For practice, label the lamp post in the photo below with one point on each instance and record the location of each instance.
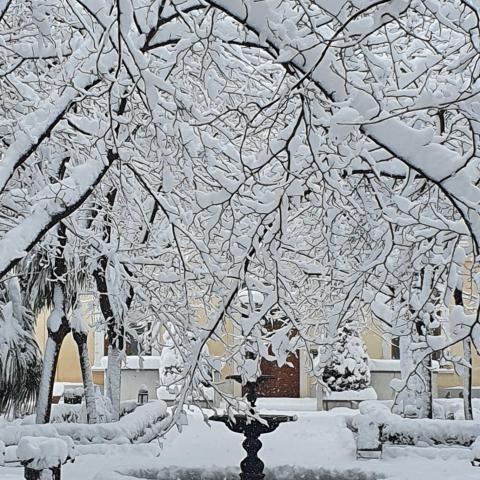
(142, 395)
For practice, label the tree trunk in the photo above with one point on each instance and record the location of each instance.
(89, 390)
(114, 379)
(116, 344)
(52, 351)
(416, 399)
(419, 386)
(425, 388)
(115, 330)
(405, 400)
(57, 324)
(467, 380)
(466, 370)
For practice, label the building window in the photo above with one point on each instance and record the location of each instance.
(437, 355)
(395, 348)
(132, 347)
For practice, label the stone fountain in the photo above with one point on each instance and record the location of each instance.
(251, 466)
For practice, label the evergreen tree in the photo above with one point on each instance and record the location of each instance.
(348, 367)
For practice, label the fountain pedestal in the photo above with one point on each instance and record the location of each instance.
(251, 466)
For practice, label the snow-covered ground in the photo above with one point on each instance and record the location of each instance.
(316, 439)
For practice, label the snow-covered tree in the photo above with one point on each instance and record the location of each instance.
(262, 144)
(347, 367)
(20, 359)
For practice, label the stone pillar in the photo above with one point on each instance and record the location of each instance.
(319, 391)
(52, 473)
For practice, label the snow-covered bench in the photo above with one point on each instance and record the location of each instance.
(348, 398)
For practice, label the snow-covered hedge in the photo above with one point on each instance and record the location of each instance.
(77, 413)
(405, 431)
(67, 412)
(142, 425)
(443, 408)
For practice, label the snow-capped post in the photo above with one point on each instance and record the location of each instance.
(43, 457)
(369, 443)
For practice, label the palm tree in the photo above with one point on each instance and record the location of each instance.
(20, 359)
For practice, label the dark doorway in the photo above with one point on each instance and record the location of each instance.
(287, 379)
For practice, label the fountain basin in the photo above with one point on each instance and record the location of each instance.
(286, 472)
(242, 424)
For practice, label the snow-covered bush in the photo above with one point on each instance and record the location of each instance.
(67, 413)
(348, 365)
(77, 413)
